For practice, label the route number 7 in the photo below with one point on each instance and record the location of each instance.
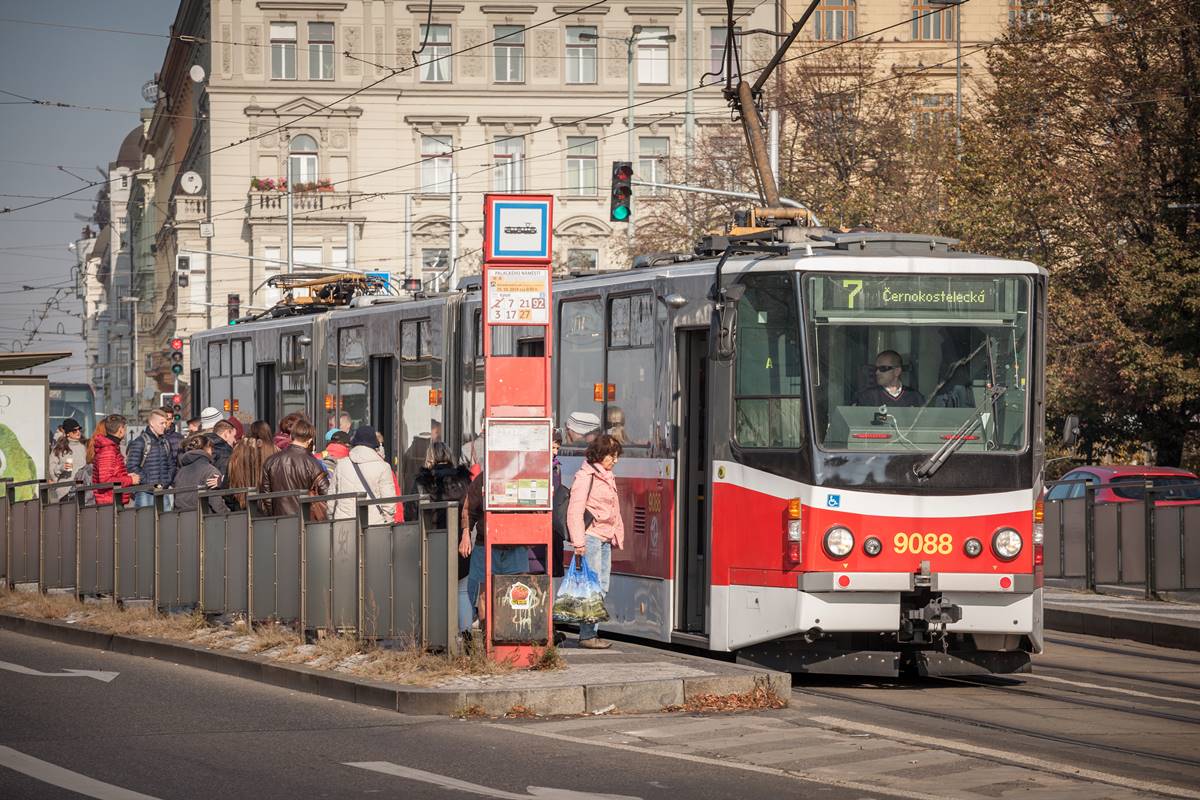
(855, 287)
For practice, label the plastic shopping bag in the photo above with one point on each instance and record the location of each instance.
(579, 598)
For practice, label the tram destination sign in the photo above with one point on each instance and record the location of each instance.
(518, 229)
(870, 294)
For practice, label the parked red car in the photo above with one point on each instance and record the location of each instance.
(1181, 487)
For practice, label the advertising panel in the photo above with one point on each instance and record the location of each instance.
(24, 438)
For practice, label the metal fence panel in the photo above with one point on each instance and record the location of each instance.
(59, 522)
(1107, 545)
(25, 526)
(331, 574)
(4, 539)
(1168, 548)
(1074, 546)
(1133, 541)
(276, 568)
(392, 594)
(97, 528)
(178, 559)
(436, 588)
(226, 563)
(135, 553)
(1053, 540)
(1191, 547)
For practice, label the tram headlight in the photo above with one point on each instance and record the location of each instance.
(973, 547)
(839, 542)
(1006, 544)
(872, 546)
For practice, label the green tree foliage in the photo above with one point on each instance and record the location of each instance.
(1084, 156)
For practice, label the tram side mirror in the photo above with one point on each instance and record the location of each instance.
(1070, 431)
(726, 322)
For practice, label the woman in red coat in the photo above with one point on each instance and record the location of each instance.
(108, 465)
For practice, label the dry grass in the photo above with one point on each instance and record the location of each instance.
(409, 664)
(762, 696)
(548, 659)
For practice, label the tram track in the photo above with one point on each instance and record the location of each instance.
(1101, 648)
(942, 716)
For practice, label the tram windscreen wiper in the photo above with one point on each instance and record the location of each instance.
(932, 464)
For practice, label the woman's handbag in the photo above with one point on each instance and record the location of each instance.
(317, 512)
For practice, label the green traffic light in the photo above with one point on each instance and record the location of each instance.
(620, 213)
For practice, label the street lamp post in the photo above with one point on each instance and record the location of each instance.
(958, 4)
(133, 361)
(630, 41)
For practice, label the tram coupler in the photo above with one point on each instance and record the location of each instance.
(936, 612)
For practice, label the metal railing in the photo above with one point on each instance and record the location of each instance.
(392, 580)
(1150, 542)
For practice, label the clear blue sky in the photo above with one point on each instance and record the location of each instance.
(92, 68)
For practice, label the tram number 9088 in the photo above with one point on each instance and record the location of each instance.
(923, 544)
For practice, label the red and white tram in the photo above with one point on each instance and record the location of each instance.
(771, 508)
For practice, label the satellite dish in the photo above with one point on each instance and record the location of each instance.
(196, 73)
(150, 91)
(191, 182)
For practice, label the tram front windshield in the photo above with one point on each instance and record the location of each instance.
(911, 362)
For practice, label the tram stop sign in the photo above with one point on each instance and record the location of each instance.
(518, 247)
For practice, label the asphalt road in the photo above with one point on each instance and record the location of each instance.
(1097, 719)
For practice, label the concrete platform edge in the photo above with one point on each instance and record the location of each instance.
(628, 697)
(1136, 628)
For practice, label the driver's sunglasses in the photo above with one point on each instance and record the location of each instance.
(885, 368)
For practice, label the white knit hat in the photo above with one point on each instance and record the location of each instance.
(209, 417)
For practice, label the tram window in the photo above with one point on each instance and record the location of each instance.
(242, 379)
(518, 340)
(580, 364)
(218, 371)
(420, 399)
(768, 402)
(629, 412)
(292, 375)
(352, 378)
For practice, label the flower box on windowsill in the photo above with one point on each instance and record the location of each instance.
(281, 185)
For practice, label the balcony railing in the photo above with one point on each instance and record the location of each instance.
(312, 205)
(190, 208)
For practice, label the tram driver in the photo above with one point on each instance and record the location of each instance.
(888, 389)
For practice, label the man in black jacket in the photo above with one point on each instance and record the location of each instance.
(223, 437)
(888, 390)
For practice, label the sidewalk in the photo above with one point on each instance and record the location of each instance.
(627, 677)
(1124, 616)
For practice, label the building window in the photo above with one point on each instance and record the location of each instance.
(833, 20)
(935, 27)
(933, 112)
(283, 51)
(653, 57)
(435, 265)
(436, 164)
(435, 58)
(1027, 12)
(509, 54)
(581, 165)
(302, 160)
(716, 48)
(581, 54)
(509, 156)
(652, 161)
(320, 51)
(581, 259)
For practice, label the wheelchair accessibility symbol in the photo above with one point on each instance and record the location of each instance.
(833, 501)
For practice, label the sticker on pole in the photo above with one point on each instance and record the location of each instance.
(518, 228)
(518, 296)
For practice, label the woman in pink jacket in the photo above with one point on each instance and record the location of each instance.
(594, 519)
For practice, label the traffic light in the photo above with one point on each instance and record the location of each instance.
(183, 266)
(234, 304)
(177, 406)
(176, 356)
(622, 192)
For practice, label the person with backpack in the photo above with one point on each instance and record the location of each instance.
(363, 471)
(68, 455)
(105, 459)
(154, 457)
(196, 472)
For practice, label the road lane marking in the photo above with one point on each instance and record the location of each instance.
(797, 775)
(100, 675)
(1066, 770)
(446, 782)
(1131, 692)
(63, 778)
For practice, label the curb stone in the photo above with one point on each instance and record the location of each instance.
(628, 697)
(1136, 628)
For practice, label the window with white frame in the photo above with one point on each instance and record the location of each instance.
(833, 21)
(581, 54)
(509, 54)
(509, 158)
(1027, 12)
(283, 51)
(652, 161)
(435, 265)
(320, 51)
(582, 259)
(653, 57)
(435, 58)
(581, 165)
(716, 48)
(302, 161)
(436, 163)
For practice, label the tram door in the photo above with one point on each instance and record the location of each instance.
(692, 548)
(264, 392)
